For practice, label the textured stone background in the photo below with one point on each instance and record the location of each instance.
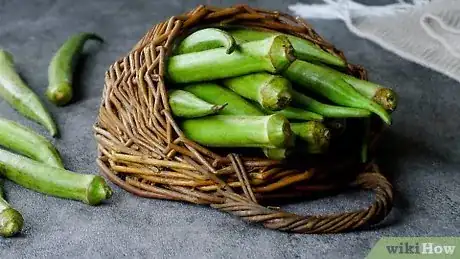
(421, 150)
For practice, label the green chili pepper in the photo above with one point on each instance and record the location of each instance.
(20, 96)
(205, 39)
(62, 66)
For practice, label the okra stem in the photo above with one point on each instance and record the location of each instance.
(321, 81)
(58, 182)
(272, 92)
(205, 39)
(303, 49)
(218, 95)
(20, 96)
(11, 221)
(187, 105)
(330, 111)
(271, 131)
(272, 55)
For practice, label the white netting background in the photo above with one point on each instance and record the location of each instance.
(423, 31)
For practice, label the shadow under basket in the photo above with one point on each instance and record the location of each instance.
(142, 150)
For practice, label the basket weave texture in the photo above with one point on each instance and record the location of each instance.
(142, 150)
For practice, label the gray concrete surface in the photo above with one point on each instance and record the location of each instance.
(421, 151)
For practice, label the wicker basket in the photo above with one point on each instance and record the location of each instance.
(142, 150)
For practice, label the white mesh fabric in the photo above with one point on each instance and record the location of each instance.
(425, 32)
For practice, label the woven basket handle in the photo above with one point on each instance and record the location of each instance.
(284, 221)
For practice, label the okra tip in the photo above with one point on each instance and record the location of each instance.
(60, 94)
(6, 55)
(387, 98)
(98, 191)
(217, 108)
(11, 222)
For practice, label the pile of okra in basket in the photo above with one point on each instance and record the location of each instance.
(267, 91)
(238, 88)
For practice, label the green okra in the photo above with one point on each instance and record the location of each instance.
(321, 81)
(54, 181)
(293, 113)
(187, 105)
(303, 49)
(218, 95)
(23, 140)
(316, 136)
(62, 66)
(11, 221)
(326, 110)
(271, 131)
(386, 97)
(272, 55)
(20, 96)
(272, 92)
(205, 39)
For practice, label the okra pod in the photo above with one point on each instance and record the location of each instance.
(272, 55)
(321, 81)
(62, 65)
(187, 105)
(218, 95)
(11, 221)
(272, 92)
(386, 97)
(20, 96)
(271, 131)
(315, 134)
(205, 39)
(58, 182)
(292, 113)
(303, 49)
(329, 111)
(23, 140)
